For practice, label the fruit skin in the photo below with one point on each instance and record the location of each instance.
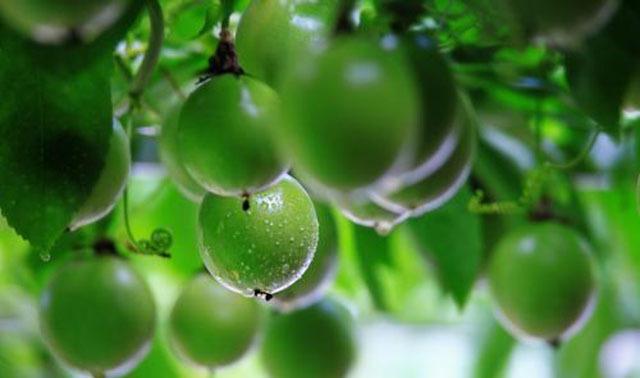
(438, 99)
(98, 314)
(272, 33)
(564, 22)
(210, 326)
(168, 145)
(267, 247)
(542, 280)
(349, 113)
(438, 187)
(225, 136)
(34, 16)
(315, 281)
(316, 342)
(111, 182)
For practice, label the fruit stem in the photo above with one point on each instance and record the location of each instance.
(344, 24)
(152, 55)
(225, 59)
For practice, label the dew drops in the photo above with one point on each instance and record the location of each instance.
(44, 256)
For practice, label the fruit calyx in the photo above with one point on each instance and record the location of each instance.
(225, 59)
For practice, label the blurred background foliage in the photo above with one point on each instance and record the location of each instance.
(419, 297)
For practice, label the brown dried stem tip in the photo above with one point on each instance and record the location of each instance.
(225, 59)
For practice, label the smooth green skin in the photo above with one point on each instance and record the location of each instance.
(436, 189)
(349, 113)
(211, 326)
(542, 280)
(437, 93)
(315, 281)
(111, 182)
(271, 33)
(316, 342)
(561, 20)
(28, 15)
(225, 136)
(168, 146)
(97, 314)
(265, 248)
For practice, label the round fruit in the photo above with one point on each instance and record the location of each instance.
(314, 282)
(98, 314)
(316, 342)
(369, 214)
(272, 32)
(48, 19)
(564, 22)
(542, 280)
(262, 244)
(349, 113)
(435, 189)
(437, 131)
(111, 181)
(211, 326)
(225, 139)
(168, 145)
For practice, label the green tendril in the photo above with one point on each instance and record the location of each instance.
(161, 239)
(581, 156)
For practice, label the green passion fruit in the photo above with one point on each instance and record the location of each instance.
(271, 33)
(542, 280)
(111, 181)
(98, 314)
(350, 113)
(365, 212)
(314, 282)
(225, 138)
(262, 244)
(564, 22)
(434, 190)
(210, 326)
(168, 146)
(54, 20)
(437, 93)
(315, 342)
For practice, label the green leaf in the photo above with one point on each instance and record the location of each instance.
(55, 121)
(374, 255)
(451, 237)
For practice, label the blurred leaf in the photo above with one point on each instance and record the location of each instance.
(451, 237)
(57, 145)
(374, 255)
(494, 352)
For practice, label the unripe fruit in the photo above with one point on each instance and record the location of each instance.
(349, 113)
(316, 342)
(259, 245)
(98, 314)
(211, 326)
(435, 189)
(47, 20)
(111, 181)
(272, 33)
(168, 145)
(314, 282)
(437, 93)
(225, 136)
(369, 214)
(542, 280)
